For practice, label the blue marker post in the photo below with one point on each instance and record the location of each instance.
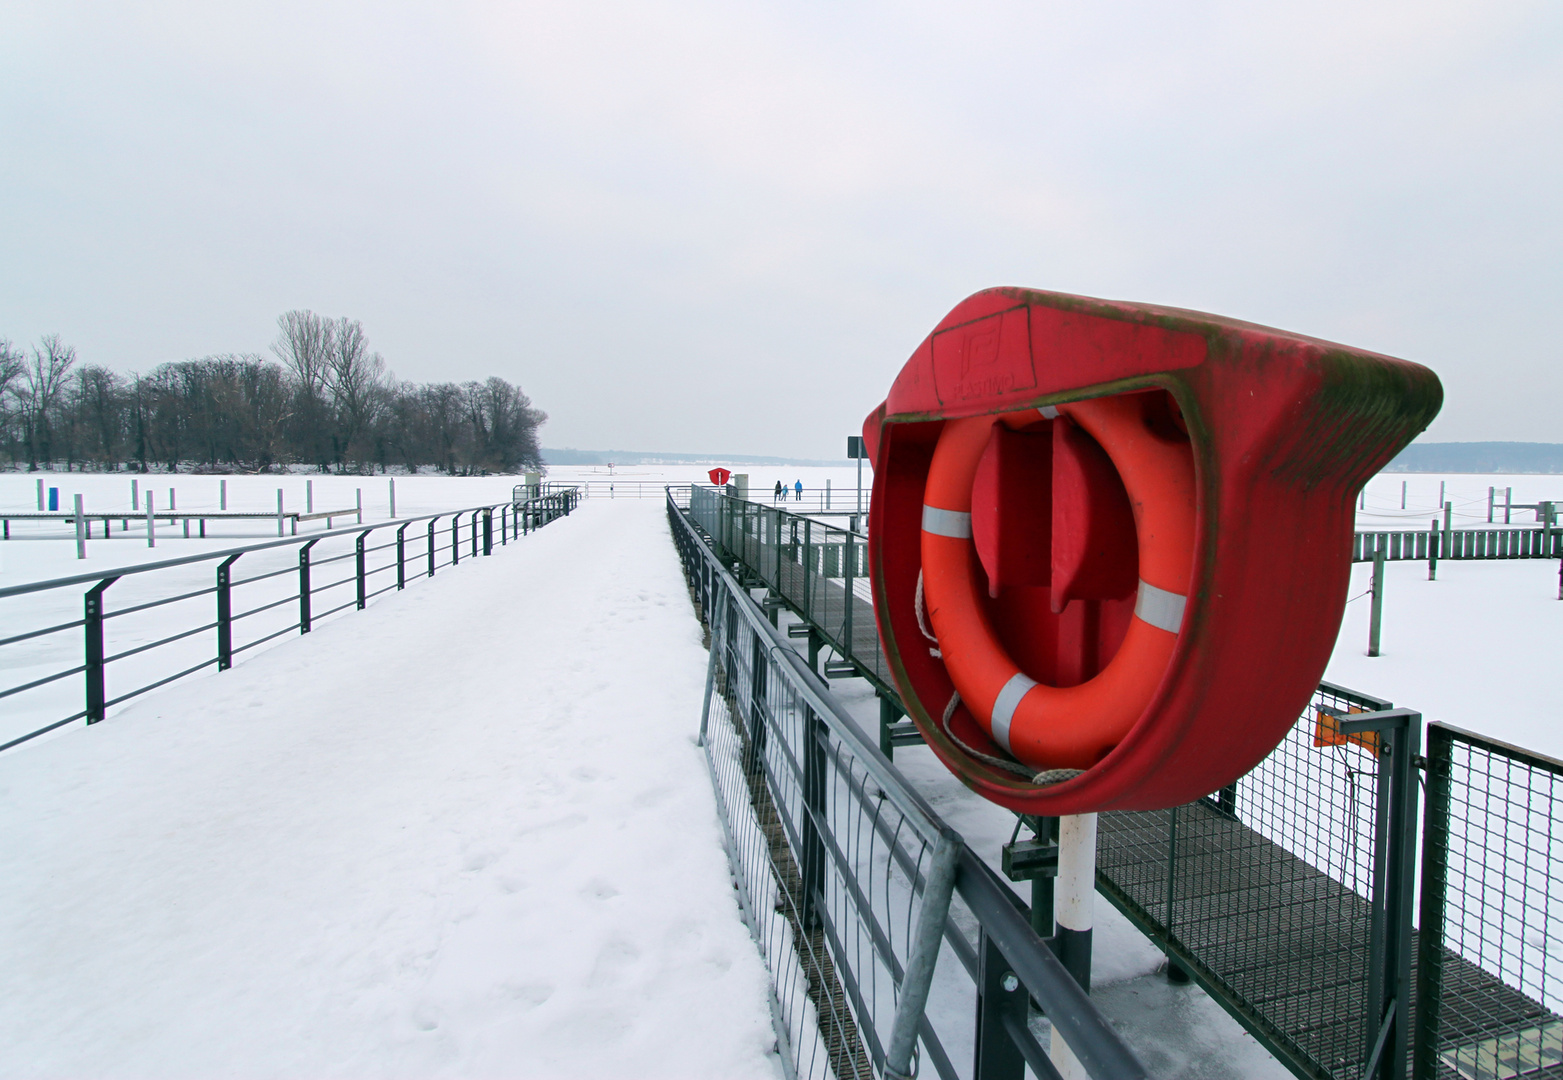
(54, 498)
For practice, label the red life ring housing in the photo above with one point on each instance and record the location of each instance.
(1018, 409)
(1072, 727)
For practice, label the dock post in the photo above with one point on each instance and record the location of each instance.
(279, 512)
(81, 535)
(309, 496)
(393, 497)
(151, 523)
(222, 494)
(1376, 618)
(40, 495)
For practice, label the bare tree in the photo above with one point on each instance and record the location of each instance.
(304, 345)
(12, 363)
(356, 379)
(45, 378)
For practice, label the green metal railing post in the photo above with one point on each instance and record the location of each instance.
(1000, 997)
(1387, 1033)
(225, 612)
(303, 585)
(432, 520)
(401, 557)
(363, 578)
(1375, 620)
(1430, 920)
(1432, 553)
(455, 538)
(92, 614)
(846, 623)
(488, 531)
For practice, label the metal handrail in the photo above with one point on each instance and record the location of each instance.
(1099, 1048)
(514, 518)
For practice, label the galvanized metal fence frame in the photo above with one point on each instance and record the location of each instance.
(849, 881)
(514, 520)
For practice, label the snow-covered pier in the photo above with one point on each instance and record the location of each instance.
(484, 846)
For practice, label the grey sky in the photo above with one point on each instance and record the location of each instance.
(724, 226)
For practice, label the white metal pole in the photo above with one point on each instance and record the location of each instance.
(223, 494)
(173, 501)
(40, 494)
(81, 531)
(393, 497)
(827, 493)
(135, 495)
(1074, 896)
(151, 523)
(309, 496)
(360, 492)
(279, 511)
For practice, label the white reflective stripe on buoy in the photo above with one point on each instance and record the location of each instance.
(1160, 608)
(1049, 412)
(1004, 707)
(951, 523)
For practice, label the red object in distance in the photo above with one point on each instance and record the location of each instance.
(719, 477)
(1283, 429)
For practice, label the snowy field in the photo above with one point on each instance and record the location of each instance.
(487, 848)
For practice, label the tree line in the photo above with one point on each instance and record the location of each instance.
(326, 400)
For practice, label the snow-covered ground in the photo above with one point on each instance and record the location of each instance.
(491, 842)
(487, 847)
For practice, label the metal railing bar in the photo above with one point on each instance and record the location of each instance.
(43, 681)
(1029, 1048)
(46, 630)
(377, 592)
(318, 589)
(42, 731)
(236, 582)
(1519, 753)
(258, 641)
(332, 558)
(161, 682)
(379, 570)
(117, 612)
(155, 644)
(265, 607)
(351, 603)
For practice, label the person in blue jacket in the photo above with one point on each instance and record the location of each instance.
(798, 487)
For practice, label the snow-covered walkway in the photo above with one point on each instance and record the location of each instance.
(464, 833)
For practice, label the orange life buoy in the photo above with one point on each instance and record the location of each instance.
(1046, 726)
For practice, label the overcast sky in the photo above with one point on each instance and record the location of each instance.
(723, 226)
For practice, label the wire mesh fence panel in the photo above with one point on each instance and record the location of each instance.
(1264, 887)
(831, 871)
(1491, 969)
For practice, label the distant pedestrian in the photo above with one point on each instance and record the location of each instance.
(778, 495)
(798, 487)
